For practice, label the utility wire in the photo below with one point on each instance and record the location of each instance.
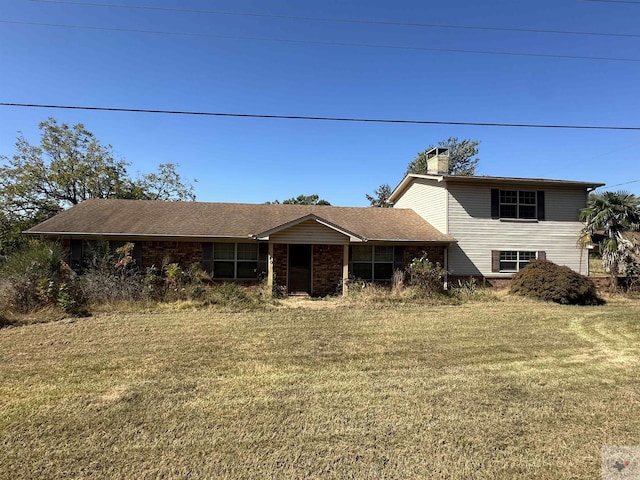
(330, 44)
(317, 118)
(601, 1)
(617, 184)
(344, 20)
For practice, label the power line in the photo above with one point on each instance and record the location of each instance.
(601, 1)
(617, 184)
(345, 20)
(330, 44)
(317, 118)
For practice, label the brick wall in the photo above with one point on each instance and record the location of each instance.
(280, 264)
(160, 253)
(481, 281)
(435, 253)
(327, 268)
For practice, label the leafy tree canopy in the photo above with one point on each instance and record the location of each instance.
(68, 166)
(463, 160)
(380, 197)
(302, 200)
(462, 157)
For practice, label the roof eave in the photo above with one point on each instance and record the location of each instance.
(120, 234)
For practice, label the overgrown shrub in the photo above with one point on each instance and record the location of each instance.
(38, 277)
(426, 275)
(234, 297)
(547, 281)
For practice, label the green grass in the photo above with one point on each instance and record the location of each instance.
(508, 389)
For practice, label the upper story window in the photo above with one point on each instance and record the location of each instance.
(524, 204)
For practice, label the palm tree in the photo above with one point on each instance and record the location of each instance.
(614, 213)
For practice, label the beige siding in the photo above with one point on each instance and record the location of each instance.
(478, 234)
(427, 198)
(310, 232)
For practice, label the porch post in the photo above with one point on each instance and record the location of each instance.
(345, 269)
(270, 268)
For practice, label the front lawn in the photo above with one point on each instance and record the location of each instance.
(508, 389)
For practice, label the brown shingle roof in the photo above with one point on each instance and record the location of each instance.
(235, 220)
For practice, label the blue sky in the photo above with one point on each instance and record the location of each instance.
(256, 160)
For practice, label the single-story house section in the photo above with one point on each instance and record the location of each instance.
(303, 249)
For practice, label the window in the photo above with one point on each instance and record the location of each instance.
(525, 204)
(512, 261)
(235, 260)
(517, 204)
(372, 262)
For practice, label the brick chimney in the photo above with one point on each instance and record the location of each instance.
(438, 161)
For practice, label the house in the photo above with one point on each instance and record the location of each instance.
(487, 227)
(304, 249)
(499, 223)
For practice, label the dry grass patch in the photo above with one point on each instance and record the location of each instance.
(488, 390)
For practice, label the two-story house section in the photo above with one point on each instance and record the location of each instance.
(500, 223)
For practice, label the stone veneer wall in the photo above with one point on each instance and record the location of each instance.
(327, 268)
(280, 264)
(160, 253)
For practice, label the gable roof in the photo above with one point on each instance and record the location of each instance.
(482, 179)
(147, 218)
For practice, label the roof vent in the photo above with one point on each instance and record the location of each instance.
(438, 161)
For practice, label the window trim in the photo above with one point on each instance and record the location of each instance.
(235, 260)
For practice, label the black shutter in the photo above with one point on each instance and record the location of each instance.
(495, 260)
(136, 254)
(263, 259)
(75, 254)
(495, 203)
(398, 258)
(207, 258)
(540, 204)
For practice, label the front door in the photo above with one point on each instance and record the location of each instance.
(300, 269)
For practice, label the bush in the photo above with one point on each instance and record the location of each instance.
(38, 277)
(547, 281)
(234, 297)
(426, 275)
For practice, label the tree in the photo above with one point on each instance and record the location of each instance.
(70, 165)
(302, 200)
(166, 184)
(381, 198)
(613, 213)
(462, 157)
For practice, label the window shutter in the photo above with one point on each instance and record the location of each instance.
(495, 203)
(495, 260)
(136, 254)
(540, 204)
(207, 257)
(542, 255)
(398, 258)
(263, 258)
